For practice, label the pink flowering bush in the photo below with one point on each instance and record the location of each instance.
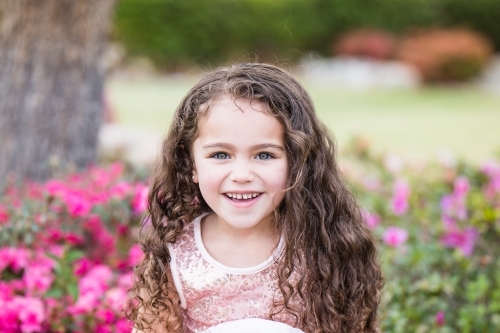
(439, 231)
(67, 246)
(67, 252)
(394, 236)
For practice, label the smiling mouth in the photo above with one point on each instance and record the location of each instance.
(242, 196)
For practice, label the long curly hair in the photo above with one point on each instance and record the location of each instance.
(326, 240)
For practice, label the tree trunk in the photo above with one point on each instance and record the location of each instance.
(51, 84)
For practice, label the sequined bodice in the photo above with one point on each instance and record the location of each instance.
(212, 293)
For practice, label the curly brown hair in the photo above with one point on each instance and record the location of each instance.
(340, 276)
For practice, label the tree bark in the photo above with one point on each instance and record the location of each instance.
(51, 84)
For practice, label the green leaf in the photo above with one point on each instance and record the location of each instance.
(54, 293)
(73, 291)
(74, 255)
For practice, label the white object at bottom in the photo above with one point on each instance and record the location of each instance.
(252, 325)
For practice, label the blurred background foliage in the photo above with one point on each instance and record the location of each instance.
(178, 34)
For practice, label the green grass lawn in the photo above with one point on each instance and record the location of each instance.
(414, 123)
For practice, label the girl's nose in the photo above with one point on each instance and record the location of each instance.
(241, 173)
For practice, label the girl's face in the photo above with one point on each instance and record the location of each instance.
(240, 162)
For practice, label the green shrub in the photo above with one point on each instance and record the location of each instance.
(182, 33)
(179, 33)
(445, 276)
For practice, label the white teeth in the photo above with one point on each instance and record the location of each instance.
(242, 196)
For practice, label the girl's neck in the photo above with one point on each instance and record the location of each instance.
(238, 247)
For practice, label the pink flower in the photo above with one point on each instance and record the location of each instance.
(491, 169)
(82, 266)
(440, 318)
(105, 315)
(107, 241)
(140, 200)
(6, 291)
(53, 235)
(100, 177)
(31, 313)
(37, 278)
(135, 255)
(4, 216)
(103, 328)
(123, 326)
(74, 239)
(55, 187)
(98, 197)
(96, 280)
(77, 204)
(18, 286)
(35, 191)
(121, 190)
(454, 206)
(401, 193)
(93, 224)
(123, 229)
(493, 188)
(5, 257)
(125, 281)
(448, 222)
(92, 288)
(394, 236)
(51, 303)
(116, 298)
(371, 219)
(9, 321)
(116, 169)
(15, 258)
(57, 250)
(462, 240)
(461, 186)
(21, 258)
(85, 303)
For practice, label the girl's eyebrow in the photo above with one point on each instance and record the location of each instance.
(219, 145)
(230, 146)
(268, 145)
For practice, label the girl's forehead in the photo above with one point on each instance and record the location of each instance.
(237, 118)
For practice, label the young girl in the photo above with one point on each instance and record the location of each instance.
(251, 226)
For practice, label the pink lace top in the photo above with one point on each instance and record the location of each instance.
(212, 293)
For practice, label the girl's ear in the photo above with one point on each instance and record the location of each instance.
(195, 177)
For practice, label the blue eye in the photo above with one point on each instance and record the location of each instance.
(220, 156)
(264, 156)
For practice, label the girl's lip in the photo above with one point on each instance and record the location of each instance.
(243, 203)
